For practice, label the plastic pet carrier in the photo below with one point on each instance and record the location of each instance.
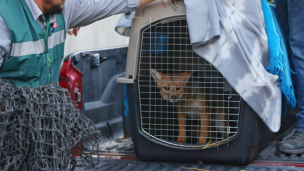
(181, 108)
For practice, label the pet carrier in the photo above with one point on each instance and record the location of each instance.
(181, 107)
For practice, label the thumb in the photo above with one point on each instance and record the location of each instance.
(70, 31)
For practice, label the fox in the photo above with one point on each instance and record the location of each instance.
(192, 102)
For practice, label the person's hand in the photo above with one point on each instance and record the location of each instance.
(73, 31)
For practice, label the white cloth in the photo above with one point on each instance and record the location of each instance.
(241, 54)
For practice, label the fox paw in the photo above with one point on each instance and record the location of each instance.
(202, 140)
(180, 140)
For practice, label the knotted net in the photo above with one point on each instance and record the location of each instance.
(40, 129)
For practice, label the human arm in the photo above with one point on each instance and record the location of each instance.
(80, 13)
(144, 2)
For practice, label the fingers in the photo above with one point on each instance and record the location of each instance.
(74, 31)
(70, 31)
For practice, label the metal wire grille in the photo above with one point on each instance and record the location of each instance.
(184, 100)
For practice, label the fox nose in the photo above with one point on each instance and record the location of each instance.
(174, 98)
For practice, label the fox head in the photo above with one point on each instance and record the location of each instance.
(171, 86)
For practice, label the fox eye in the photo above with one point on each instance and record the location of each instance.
(178, 88)
(167, 88)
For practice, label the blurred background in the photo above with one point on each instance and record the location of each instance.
(98, 35)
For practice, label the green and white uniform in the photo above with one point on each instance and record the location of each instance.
(30, 58)
(34, 58)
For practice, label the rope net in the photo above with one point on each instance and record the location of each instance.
(40, 129)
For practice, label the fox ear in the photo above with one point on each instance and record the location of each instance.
(156, 75)
(186, 75)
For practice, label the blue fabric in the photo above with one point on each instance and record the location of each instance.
(126, 102)
(282, 11)
(292, 13)
(279, 63)
(287, 83)
(159, 44)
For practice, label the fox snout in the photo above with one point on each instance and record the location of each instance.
(174, 99)
(171, 86)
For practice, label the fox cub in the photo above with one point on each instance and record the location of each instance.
(193, 100)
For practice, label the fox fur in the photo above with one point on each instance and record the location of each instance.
(193, 101)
